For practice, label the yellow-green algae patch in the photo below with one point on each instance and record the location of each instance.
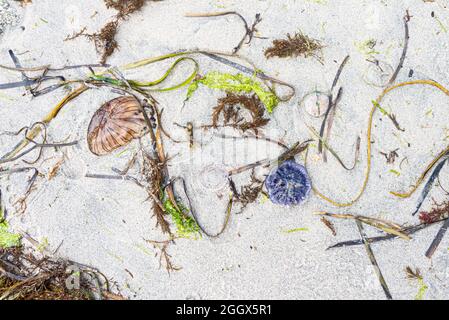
(236, 83)
(7, 239)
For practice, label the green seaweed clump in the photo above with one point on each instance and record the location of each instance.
(186, 226)
(7, 239)
(237, 83)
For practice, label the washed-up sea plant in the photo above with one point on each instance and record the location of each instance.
(293, 46)
(136, 113)
(235, 83)
(8, 239)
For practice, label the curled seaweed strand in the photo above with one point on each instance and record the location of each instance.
(195, 216)
(388, 90)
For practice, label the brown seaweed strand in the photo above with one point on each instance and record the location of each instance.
(373, 261)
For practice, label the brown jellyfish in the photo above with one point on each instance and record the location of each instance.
(115, 124)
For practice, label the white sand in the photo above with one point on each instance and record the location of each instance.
(104, 223)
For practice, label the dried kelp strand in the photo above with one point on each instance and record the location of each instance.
(288, 184)
(428, 186)
(249, 31)
(219, 57)
(332, 106)
(373, 260)
(407, 230)
(38, 129)
(368, 146)
(115, 124)
(386, 226)
(145, 87)
(404, 51)
(334, 153)
(437, 240)
(288, 154)
(18, 66)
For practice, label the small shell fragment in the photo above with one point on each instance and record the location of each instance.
(115, 124)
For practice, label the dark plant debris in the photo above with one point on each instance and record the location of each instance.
(230, 109)
(328, 120)
(390, 156)
(407, 18)
(249, 30)
(294, 46)
(407, 230)
(437, 240)
(373, 260)
(329, 225)
(24, 276)
(153, 174)
(437, 213)
(125, 7)
(413, 274)
(104, 40)
(250, 192)
(164, 256)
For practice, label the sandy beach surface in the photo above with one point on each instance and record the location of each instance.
(268, 251)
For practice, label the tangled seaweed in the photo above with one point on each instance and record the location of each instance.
(24, 276)
(229, 108)
(437, 213)
(294, 46)
(104, 40)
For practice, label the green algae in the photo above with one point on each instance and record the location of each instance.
(236, 83)
(186, 226)
(7, 239)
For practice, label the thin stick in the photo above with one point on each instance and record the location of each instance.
(439, 237)
(290, 153)
(359, 194)
(372, 258)
(113, 177)
(429, 184)
(224, 136)
(17, 64)
(408, 230)
(48, 67)
(404, 51)
(330, 121)
(331, 101)
(38, 145)
(36, 130)
(249, 32)
(332, 151)
(386, 226)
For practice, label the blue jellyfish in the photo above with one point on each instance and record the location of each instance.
(289, 184)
